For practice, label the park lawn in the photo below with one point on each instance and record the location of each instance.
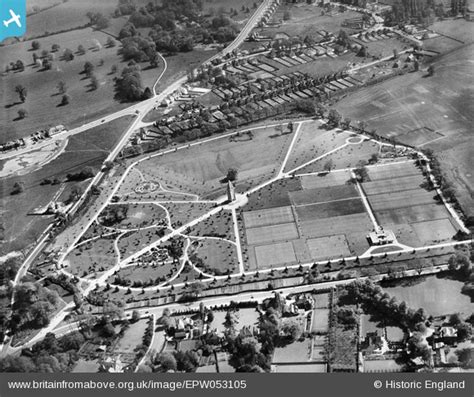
(215, 256)
(347, 157)
(147, 274)
(182, 213)
(22, 229)
(94, 256)
(142, 215)
(313, 141)
(43, 99)
(201, 168)
(134, 241)
(218, 225)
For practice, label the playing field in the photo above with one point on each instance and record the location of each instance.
(325, 194)
(406, 198)
(320, 320)
(330, 209)
(325, 179)
(392, 185)
(417, 213)
(328, 247)
(267, 234)
(434, 231)
(275, 254)
(267, 217)
(393, 171)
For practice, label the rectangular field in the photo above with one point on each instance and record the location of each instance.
(393, 185)
(325, 179)
(328, 247)
(268, 234)
(406, 198)
(328, 210)
(274, 254)
(433, 231)
(417, 213)
(320, 322)
(325, 194)
(267, 217)
(393, 171)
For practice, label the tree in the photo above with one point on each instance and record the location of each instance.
(62, 87)
(81, 49)
(113, 69)
(361, 174)
(22, 113)
(35, 45)
(334, 118)
(291, 330)
(88, 69)
(167, 362)
(465, 357)
(94, 84)
(22, 92)
(65, 100)
(110, 42)
(135, 316)
(232, 174)
(286, 15)
(68, 55)
(18, 187)
(430, 70)
(55, 48)
(328, 166)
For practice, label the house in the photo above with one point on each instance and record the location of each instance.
(381, 237)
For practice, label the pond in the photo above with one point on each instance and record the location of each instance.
(437, 296)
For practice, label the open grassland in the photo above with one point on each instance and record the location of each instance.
(313, 141)
(349, 156)
(134, 241)
(443, 103)
(214, 256)
(43, 98)
(201, 168)
(141, 215)
(95, 256)
(21, 229)
(220, 225)
(64, 15)
(307, 20)
(328, 247)
(148, 274)
(182, 213)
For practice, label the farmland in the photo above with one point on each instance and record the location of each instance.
(434, 113)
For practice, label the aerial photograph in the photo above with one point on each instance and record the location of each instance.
(236, 186)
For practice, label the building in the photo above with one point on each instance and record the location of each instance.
(381, 237)
(230, 192)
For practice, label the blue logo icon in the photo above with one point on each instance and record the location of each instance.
(12, 18)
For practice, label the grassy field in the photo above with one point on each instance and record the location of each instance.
(330, 209)
(91, 257)
(328, 247)
(43, 99)
(215, 256)
(21, 229)
(141, 215)
(64, 15)
(313, 141)
(147, 274)
(201, 168)
(134, 241)
(307, 20)
(443, 103)
(268, 234)
(324, 194)
(219, 225)
(275, 254)
(267, 217)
